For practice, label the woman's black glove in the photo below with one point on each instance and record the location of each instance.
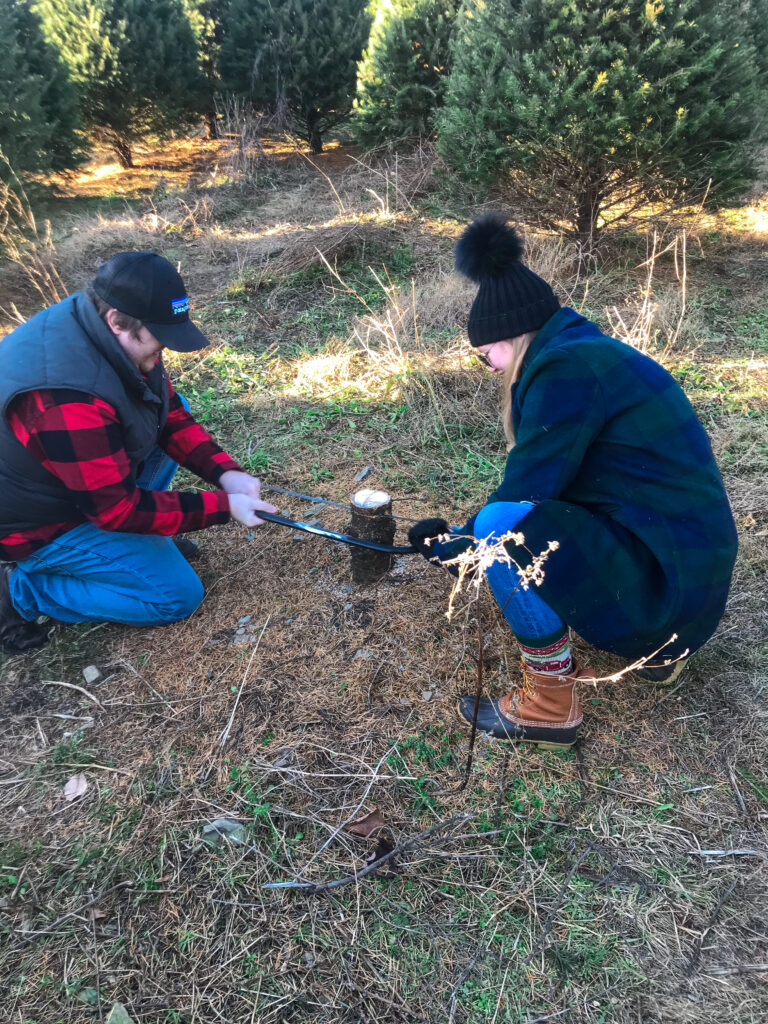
(426, 530)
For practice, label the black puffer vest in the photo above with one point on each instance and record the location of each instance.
(68, 346)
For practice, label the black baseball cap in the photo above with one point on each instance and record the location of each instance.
(146, 286)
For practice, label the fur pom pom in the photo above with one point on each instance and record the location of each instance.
(489, 247)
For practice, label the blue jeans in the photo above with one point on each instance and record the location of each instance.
(530, 618)
(93, 575)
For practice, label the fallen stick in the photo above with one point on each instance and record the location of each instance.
(357, 875)
(727, 853)
(73, 686)
(225, 733)
(560, 899)
(695, 956)
(720, 972)
(72, 913)
(126, 664)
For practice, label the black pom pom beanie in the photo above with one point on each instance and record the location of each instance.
(511, 299)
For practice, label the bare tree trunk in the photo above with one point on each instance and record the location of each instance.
(122, 148)
(213, 125)
(588, 211)
(315, 138)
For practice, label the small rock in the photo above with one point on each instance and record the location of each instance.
(318, 523)
(426, 695)
(360, 653)
(364, 472)
(404, 700)
(245, 618)
(91, 674)
(119, 1015)
(219, 828)
(250, 536)
(347, 588)
(297, 536)
(239, 632)
(347, 607)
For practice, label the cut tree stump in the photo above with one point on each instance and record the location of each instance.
(371, 520)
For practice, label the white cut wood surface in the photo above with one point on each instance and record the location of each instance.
(369, 499)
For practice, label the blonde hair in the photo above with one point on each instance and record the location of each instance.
(519, 347)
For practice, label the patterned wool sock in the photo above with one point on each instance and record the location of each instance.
(550, 656)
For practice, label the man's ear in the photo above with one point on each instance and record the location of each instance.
(111, 321)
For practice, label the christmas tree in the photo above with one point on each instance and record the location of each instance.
(595, 107)
(134, 63)
(403, 72)
(297, 58)
(38, 129)
(207, 20)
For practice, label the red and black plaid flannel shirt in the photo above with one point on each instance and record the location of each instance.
(78, 438)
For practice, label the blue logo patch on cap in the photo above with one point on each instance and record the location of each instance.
(180, 306)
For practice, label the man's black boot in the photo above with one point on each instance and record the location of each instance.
(188, 547)
(17, 636)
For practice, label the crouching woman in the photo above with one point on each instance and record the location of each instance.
(610, 461)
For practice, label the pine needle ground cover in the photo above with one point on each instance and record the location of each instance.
(624, 882)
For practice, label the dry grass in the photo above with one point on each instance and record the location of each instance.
(579, 888)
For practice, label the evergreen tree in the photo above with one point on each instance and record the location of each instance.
(39, 121)
(595, 106)
(207, 20)
(134, 63)
(296, 56)
(403, 72)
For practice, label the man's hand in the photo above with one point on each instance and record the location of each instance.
(235, 482)
(244, 507)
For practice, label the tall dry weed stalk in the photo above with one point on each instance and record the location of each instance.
(396, 181)
(242, 130)
(393, 348)
(657, 322)
(22, 244)
(473, 563)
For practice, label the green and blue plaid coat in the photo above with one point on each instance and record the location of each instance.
(623, 476)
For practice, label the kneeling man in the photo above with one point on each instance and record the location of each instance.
(91, 434)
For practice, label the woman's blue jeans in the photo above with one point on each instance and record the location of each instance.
(93, 575)
(531, 619)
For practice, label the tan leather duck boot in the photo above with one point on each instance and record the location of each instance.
(544, 710)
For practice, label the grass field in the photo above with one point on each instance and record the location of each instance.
(625, 882)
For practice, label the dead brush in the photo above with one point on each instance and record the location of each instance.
(654, 319)
(189, 216)
(327, 244)
(242, 128)
(473, 563)
(395, 181)
(397, 361)
(32, 254)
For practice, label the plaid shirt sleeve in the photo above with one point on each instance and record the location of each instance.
(191, 445)
(78, 438)
(561, 412)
